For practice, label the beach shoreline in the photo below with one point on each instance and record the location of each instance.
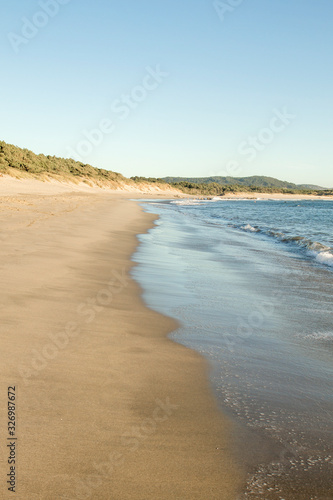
(107, 405)
(228, 286)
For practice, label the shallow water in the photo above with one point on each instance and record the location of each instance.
(251, 284)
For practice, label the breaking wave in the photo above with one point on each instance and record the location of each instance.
(323, 254)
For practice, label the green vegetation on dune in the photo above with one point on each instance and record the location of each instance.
(20, 162)
(25, 161)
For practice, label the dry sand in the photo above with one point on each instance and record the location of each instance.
(107, 406)
(12, 186)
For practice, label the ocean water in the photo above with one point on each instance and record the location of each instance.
(251, 283)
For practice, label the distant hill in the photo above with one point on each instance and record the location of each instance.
(310, 186)
(254, 181)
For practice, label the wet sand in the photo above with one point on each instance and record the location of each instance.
(106, 405)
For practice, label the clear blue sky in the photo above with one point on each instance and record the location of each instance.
(227, 73)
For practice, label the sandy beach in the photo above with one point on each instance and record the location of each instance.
(106, 405)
